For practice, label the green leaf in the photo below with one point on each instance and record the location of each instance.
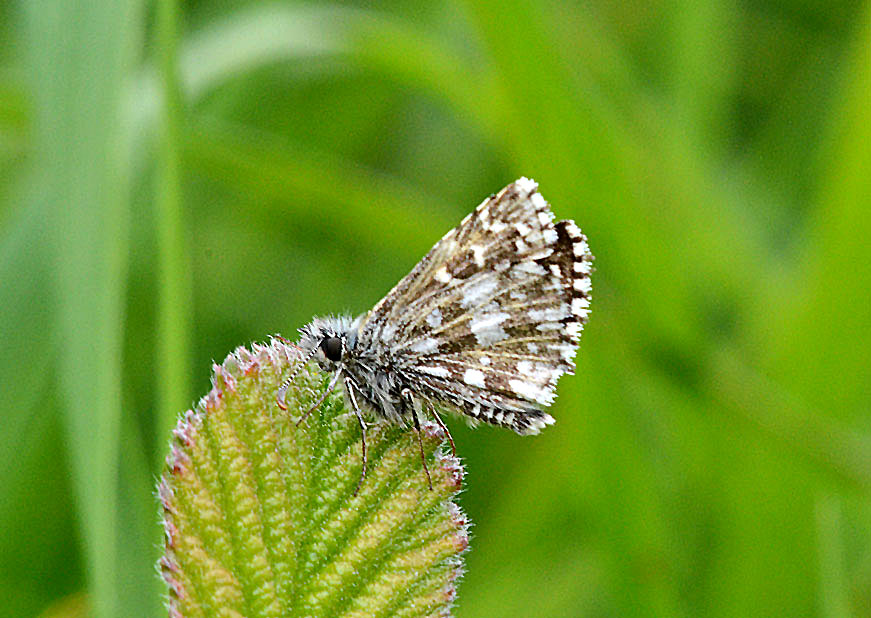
(261, 516)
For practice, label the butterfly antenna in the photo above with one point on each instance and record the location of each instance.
(282, 390)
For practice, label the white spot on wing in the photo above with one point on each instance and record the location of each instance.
(581, 248)
(526, 184)
(387, 332)
(434, 319)
(486, 320)
(573, 229)
(540, 254)
(425, 346)
(554, 285)
(476, 293)
(478, 253)
(474, 377)
(537, 424)
(534, 238)
(443, 275)
(549, 314)
(532, 391)
(524, 367)
(582, 285)
(583, 267)
(580, 306)
(487, 329)
(527, 267)
(566, 350)
(438, 372)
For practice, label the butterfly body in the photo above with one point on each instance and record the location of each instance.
(376, 379)
(484, 325)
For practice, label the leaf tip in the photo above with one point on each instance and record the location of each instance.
(259, 514)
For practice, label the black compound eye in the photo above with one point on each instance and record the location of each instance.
(332, 347)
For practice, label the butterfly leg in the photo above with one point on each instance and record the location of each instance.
(445, 429)
(350, 386)
(323, 396)
(406, 394)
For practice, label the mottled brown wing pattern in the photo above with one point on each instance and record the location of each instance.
(489, 320)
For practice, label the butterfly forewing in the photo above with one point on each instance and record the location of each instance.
(489, 320)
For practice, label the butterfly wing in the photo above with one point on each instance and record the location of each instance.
(490, 318)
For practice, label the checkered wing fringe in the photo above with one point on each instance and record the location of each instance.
(490, 319)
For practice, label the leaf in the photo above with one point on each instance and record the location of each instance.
(260, 515)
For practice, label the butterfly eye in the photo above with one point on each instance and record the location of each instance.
(332, 347)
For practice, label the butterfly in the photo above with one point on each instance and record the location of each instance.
(484, 325)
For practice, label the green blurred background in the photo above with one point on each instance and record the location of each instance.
(179, 179)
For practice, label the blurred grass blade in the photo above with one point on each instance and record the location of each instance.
(818, 341)
(261, 516)
(138, 536)
(834, 584)
(283, 174)
(748, 395)
(701, 70)
(72, 606)
(174, 307)
(81, 56)
(262, 35)
(25, 308)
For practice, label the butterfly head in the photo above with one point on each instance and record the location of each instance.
(327, 340)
